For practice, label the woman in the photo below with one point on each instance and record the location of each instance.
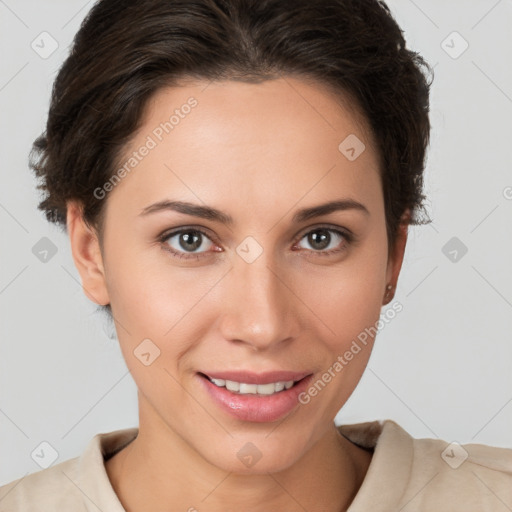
(237, 178)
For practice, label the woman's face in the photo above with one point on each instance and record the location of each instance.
(276, 294)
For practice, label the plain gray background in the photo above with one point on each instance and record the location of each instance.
(442, 368)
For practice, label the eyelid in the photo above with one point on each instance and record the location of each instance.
(176, 231)
(344, 231)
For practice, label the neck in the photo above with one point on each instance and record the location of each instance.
(159, 468)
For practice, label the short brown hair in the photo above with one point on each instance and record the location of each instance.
(126, 50)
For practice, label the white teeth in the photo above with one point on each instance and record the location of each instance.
(253, 389)
(279, 386)
(265, 389)
(232, 385)
(248, 388)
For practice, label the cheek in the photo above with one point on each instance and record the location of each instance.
(153, 298)
(348, 301)
(349, 311)
(349, 315)
(348, 298)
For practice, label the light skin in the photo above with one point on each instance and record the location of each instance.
(258, 152)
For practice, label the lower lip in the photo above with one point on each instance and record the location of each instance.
(256, 408)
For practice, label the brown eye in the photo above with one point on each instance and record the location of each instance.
(186, 242)
(319, 239)
(325, 241)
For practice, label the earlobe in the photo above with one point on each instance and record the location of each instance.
(86, 254)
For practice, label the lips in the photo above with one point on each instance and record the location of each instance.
(248, 403)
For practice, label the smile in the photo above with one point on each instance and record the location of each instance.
(244, 388)
(256, 397)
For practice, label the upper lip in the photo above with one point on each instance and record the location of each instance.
(248, 377)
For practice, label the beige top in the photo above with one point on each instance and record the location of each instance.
(405, 474)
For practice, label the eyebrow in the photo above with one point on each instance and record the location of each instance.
(209, 213)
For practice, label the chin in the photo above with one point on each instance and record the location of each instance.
(248, 454)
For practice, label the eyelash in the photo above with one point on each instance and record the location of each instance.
(164, 237)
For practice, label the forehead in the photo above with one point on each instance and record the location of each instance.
(249, 142)
(269, 104)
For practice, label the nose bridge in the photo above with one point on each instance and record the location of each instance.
(258, 308)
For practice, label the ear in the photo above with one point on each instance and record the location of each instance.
(87, 256)
(396, 256)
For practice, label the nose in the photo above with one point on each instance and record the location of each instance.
(259, 308)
